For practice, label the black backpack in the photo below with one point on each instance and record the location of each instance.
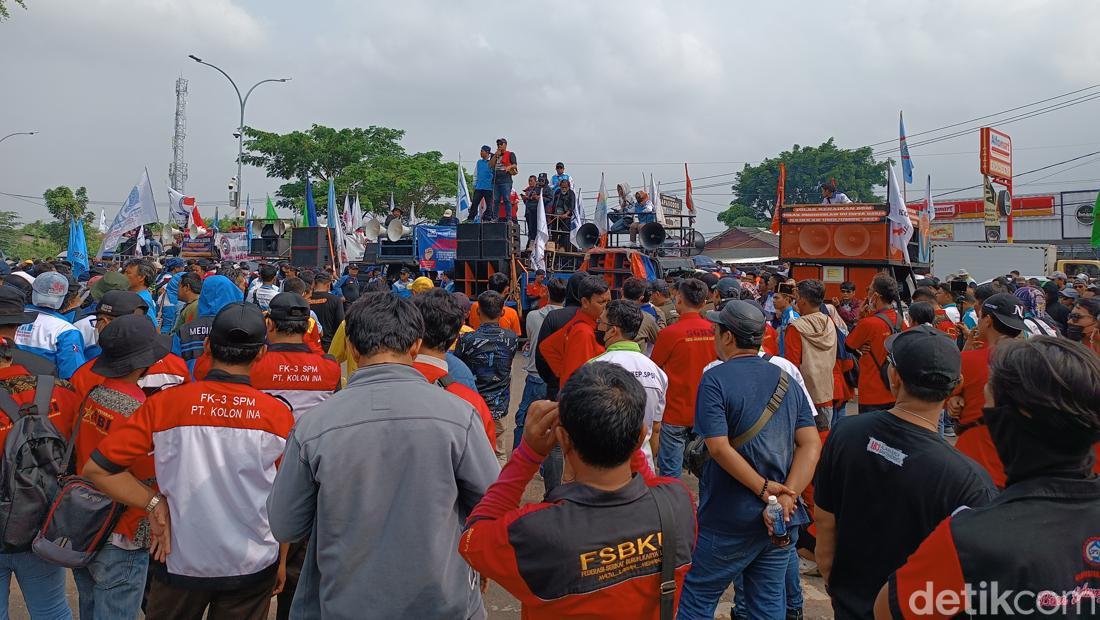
(31, 466)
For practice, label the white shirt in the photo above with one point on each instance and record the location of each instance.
(790, 369)
(652, 378)
(839, 198)
(952, 313)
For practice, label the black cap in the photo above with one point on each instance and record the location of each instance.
(1007, 309)
(128, 343)
(559, 165)
(239, 324)
(709, 279)
(288, 307)
(743, 318)
(120, 303)
(925, 357)
(540, 272)
(12, 302)
(728, 288)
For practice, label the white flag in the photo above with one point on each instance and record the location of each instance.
(356, 215)
(103, 220)
(462, 197)
(139, 209)
(139, 246)
(601, 207)
(179, 207)
(542, 235)
(901, 227)
(578, 217)
(412, 214)
(655, 196)
(338, 233)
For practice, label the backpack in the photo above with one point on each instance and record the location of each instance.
(33, 461)
(80, 520)
(894, 328)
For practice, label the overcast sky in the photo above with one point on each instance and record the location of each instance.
(622, 88)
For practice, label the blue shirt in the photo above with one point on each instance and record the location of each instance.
(970, 319)
(147, 297)
(732, 397)
(460, 372)
(483, 176)
(555, 181)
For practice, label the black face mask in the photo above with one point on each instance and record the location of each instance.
(600, 336)
(1026, 451)
(1075, 333)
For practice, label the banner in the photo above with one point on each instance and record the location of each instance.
(138, 210)
(233, 246)
(201, 247)
(435, 247)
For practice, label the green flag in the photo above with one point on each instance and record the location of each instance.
(1096, 223)
(271, 214)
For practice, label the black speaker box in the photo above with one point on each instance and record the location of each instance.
(493, 249)
(401, 249)
(468, 249)
(496, 230)
(469, 231)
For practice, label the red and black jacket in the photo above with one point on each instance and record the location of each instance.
(582, 552)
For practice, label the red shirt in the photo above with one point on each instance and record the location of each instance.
(946, 325)
(433, 373)
(169, 371)
(875, 331)
(770, 345)
(976, 442)
(296, 374)
(538, 291)
(64, 401)
(682, 350)
(109, 404)
(580, 345)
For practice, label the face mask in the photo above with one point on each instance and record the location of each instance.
(600, 336)
(1075, 333)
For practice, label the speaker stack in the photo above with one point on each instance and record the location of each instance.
(309, 247)
(483, 250)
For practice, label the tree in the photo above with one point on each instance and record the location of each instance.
(4, 14)
(370, 162)
(64, 204)
(855, 170)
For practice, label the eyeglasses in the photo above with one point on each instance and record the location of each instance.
(1077, 316)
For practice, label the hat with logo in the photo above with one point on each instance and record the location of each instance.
(12, 303)
(121, 303)
(129, 343)
(110, 281)
(728, 287)
(239, 324)
(288, 307)
(743, 318)
(1007, 309)
(925, 357)
(49, 290)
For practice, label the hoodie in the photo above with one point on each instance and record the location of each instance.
(217, 293)
(811, 345)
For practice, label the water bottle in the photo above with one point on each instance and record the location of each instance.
(780, 536)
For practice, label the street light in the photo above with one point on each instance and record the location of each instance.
(239, 134)
(18, 133)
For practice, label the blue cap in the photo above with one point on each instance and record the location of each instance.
(485, 147)
(174, 262)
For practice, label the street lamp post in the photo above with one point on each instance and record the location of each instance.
(18, 133)
(240, 128)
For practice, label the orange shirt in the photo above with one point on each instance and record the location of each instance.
(682, 350)
(168, 371)
(580, 345)
(770, 345)
(875, 331)
(539, 291)
(508, 320)
(975, 374)
(64, 401)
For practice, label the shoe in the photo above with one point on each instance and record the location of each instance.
(949, 431)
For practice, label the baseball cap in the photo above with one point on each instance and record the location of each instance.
(174, 262)
(1007, 309)
(12, 302)
(728, 287)
(288, 307)
(121, 303)
(1069, 293)
(740, 317)
(659, 286)
(239, 324)
(559, 165)
(421, 285)
(709, 279)
(49, 290)
(486, 147)
(1058, 274)
(111, 281)
(448, 213)
(540, 272)
(128, 343)
(925, 357)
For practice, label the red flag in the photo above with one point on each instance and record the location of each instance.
(687, 192)
(780, 195)
(196, 219)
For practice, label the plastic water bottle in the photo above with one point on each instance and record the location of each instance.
(780, 536)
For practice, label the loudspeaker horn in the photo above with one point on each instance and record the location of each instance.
(264, 228)
(698, 242)
(652, 235)
(588, 235)
(372, 229)
(396, 230)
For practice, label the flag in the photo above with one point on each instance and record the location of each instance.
(216, 225)
(179, 207)
(412, 214)
(906, 162)
(542, 235)
(78, 248)
(248, 220)
(1096, 223)
(198, 226)
(901, 227)
(333, 212)
(578, 218)
(271, 216)
(687, 192)
(356, 215)
(924, 224)
(345, 219)
(140, 244)
(655, 195)
(780, 196)
(309, 217)
(601, 207)
(462, 197)
(139, 209)
(103, 220)
(338, 233)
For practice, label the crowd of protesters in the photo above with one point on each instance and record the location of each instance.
(338, 441)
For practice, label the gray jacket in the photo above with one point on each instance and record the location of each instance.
(380, 477)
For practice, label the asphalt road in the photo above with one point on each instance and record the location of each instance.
(499, 604)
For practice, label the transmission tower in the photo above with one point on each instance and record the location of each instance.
(177, 170)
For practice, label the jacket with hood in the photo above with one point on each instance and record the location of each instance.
(552, 324)
(52, 337)
(811, 345)
(217, 293)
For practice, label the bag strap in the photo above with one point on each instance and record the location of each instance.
(43, 394)
(69, 445)
(772, 406)
(9, 406)
(667, 521)
(445, 381)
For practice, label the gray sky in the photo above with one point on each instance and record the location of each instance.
(623, 88)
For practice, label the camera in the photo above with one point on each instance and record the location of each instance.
(236, 134)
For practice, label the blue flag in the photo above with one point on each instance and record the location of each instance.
(906, 162)
(311, 208)
(216, 225)
(78, 248)
(248, 220)
(331, 203)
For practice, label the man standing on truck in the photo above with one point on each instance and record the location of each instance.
(830, 196)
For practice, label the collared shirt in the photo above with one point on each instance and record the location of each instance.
(294, 373)
(629, 355)
(838, 198)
